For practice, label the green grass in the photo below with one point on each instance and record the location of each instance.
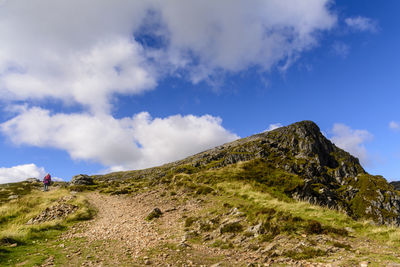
(233, 227)
(221, 244)
(255, 188)
(263, 195)
(190, 220)
(18, 239)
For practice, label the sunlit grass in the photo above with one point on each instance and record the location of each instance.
(307, 211)
(15, 215)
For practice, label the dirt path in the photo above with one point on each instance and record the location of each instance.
(122, 219)
(120, 235)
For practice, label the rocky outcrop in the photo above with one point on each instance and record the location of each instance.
(332, 177)
(81, 179)
(299, 148)
(396, 185)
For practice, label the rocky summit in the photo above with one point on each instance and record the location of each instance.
(331, 176)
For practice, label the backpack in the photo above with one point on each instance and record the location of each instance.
(47, 179)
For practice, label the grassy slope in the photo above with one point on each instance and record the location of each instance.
(261, 193)
(19, 241)
(256, 190)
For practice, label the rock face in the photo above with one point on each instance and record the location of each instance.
(396, 185)
(299, 148)
(81, 179)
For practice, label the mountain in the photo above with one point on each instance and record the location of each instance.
(310, 167)
(287, 197)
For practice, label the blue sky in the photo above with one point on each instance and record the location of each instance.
(133, 84)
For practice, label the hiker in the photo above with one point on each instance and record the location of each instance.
(46, 182)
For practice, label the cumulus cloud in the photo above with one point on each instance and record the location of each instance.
(352, 141)
(394, 126)
(20, 173)
(133, 142)
(100, 52)
(176, 137)
(235, 35)
(362, 24)
(88, 78)
(273, 126)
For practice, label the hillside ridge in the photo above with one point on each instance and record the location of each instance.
(278, 198)
(330, 176)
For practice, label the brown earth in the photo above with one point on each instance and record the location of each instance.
(121, 236)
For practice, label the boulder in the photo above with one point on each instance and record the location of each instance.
(81, 179)
(156, 213)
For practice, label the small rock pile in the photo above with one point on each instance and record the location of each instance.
(60, 210)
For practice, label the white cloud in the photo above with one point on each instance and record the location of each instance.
(57, 179)
(20, 173)
(88, 78)
(233, 35)
(86, 52)
(273, 126)
(352, 141)
(362, 24)
(394, 126)
(136, 142)
(176, 137)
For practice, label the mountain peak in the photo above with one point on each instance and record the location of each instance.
(306, 126)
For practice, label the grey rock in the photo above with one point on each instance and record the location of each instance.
(156, 213)
(81, 179)
(184, 245)
(257, 229)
